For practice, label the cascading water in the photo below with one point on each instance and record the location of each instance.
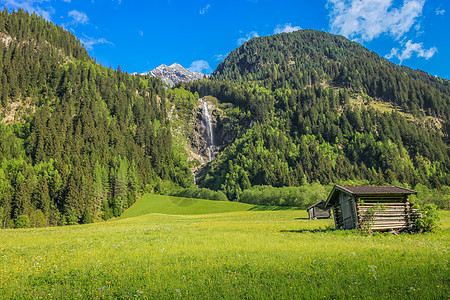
(209, 130)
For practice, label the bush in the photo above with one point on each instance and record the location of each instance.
(195, 192)
(302, 196)
(220, 196)
(165, 187)
(368, 218)
(23, 221)
(71, 217)
(37, 219)
(425, 195)
(430, 218)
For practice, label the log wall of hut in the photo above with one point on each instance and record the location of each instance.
(351, 204)
(390, 212)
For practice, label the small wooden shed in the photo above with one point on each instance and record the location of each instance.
(350, 203)
(318, 211)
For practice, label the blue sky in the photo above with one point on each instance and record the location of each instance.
(140, 35)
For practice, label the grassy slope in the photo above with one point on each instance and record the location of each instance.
(251, 255)
(151, 203)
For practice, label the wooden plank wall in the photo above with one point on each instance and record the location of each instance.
(317, 213)
(321, 214)
(396, 213)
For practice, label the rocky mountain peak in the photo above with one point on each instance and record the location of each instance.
(175, 73)
(177, 66)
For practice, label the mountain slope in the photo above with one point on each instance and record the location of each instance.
(325, 108)
(86, 139)
(306, 57)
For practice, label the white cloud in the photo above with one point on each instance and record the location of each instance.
(67, 1)
(409, 50)
(78, 17)
(364, 20)
(249, 36)
(141, 33)
(200, 66)
(440, 12)
(30, 6)
(205, 9)
(89, 42)
(286, 28)
(221, 56)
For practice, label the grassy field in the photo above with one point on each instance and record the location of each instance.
(151, 203)
(233, 255)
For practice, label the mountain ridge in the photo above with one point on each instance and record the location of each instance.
(173, 74)
(318, 56)
(326, 108)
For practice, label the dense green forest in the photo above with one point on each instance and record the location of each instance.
(326, 109)
(78, 141)
(308, 57)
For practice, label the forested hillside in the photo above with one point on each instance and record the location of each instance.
(308, 57)
(327, 109)
(77, 140)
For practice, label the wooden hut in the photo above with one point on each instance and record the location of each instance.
(350, 205)
(318, 211)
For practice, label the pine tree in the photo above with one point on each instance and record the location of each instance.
(42, 198)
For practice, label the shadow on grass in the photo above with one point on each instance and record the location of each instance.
(273, 208)
(301, 219)
(316, 230)
(182, 202)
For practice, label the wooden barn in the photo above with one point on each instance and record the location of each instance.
(318, 211)
(350, 204)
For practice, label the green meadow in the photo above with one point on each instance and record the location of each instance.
(238, 252)
(170, 205)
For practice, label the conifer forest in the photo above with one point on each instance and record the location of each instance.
(81, 142)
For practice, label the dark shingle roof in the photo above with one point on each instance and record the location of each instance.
(366, 190)
(318, 204)
(375, 190)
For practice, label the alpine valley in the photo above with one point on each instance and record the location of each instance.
(80, 142)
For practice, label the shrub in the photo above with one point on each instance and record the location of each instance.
(71, 217)
(165, 187)
(302, 196)
(22, 221)
(430, 218)
(368, 218)
(220, 196)
(425, 195)
(195, 192)
(37, 219)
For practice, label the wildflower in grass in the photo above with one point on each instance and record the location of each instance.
(373, 268)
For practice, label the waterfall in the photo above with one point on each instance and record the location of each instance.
(209, 130)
